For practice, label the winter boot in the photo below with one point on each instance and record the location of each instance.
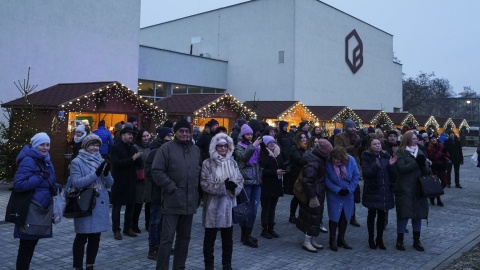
(342, 228)
(248, 239)
(265, 233)
(332, 228)
(315, 244)
(272, 232)
(307, 245)
(416, 242)
(242, 237)
(399, 244)
(439, 201)
(371, 230)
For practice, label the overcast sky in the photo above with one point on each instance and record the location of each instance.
(428, 35)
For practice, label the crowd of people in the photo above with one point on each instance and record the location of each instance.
(181, 169)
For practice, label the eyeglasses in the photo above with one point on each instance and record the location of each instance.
(222, 146)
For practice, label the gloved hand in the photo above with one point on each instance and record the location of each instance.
(343, 192)
(229, 185)
(106, 170)
(100, 168)
(313, 202)
(421, 160)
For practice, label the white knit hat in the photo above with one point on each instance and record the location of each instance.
(39, 138)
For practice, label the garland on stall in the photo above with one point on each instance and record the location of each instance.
(219, 105)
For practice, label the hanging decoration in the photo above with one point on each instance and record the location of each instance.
(55, 127)
(345, 114)
(298, 108)
(449, 125)
(383, 120)
(220, 105)
(410, 121)
(432, 122)
(464, 124)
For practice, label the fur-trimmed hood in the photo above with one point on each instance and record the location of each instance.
(214, 142)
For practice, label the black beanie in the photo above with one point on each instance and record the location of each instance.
(213, 122)
(168, 124)
(132, 119)
(392, 132)
(162, 132)
(371, 130)
(255, 125)
(182, 124)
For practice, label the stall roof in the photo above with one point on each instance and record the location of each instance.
(58, 94)
(326, 112)
(270, 109)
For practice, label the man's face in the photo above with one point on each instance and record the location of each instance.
(351, 129)
(293, 129)
(182, 134)
(135, 123)
(285, 128)
(392, 138)
(305, 128)
(214, 128)
(127, 137)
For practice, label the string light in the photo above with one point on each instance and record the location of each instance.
(220, 105)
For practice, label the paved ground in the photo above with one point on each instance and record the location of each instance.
(450, 231)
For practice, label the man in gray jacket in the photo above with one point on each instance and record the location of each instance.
(176, 169)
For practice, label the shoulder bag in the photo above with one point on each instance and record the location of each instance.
(38, 221)
(298, 190)
(80, 202)
(429, 186)
(17, 207)
(242, 210)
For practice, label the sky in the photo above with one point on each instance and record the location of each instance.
(428, 35)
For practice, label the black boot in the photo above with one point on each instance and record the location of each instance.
(273, 233)
(265, 233)
(380, 228)
(342, 228)
(399, 244)
(242, 237)
(439, 201)
(432, 200)
(248, 239)
(227, 248)
(353, 220)
(371, 228)
(136, 216)
(416, 242)
(332, 229)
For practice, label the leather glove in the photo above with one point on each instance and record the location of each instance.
(343, 192)
(230, 185)
(106, 170)
(313, 202)
(421, 160)
(100, 168)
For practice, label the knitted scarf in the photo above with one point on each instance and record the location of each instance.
(340, 170)
(224, 169)
(92, 161)
(413, 150)
(79, 139)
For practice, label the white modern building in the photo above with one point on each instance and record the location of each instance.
(68, 42)
(286, 50)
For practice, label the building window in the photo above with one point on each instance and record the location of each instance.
(220, 91)
(194, 90)
(281, 57)
(146, 88)
(179, 89)
(208, 90)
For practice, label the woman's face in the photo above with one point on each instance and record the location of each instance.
(414, 141)
(316, 143)
(248, 136)
(375, 146)
(317, 130)
(222, 149)
(78, 134)
(271, 146)
(337, 162)
(43, 148)
(146, 137)
(93, 148)
(303, 138)
(434, 140)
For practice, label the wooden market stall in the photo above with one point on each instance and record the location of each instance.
(446, 125)
(271, 112)
(331, 117)
(403, 121)
(198, 109)
(376, 118)
(428, 123)
(59, 108)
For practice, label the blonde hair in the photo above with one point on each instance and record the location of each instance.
(339, 153)
(406, 140)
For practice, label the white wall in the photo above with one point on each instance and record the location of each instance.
(312, 34)
(167, 66)
(68, 41)
(321, 73)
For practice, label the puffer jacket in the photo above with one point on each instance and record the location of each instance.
(30, 176)
(378, 181)
(313, 175)
(252, 174)
(176, 169)
(407, 202)
(272, 187)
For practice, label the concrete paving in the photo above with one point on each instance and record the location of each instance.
(450, 231)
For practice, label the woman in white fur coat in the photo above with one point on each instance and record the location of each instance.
(221, 182)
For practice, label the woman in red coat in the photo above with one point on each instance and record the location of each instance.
(439, 156)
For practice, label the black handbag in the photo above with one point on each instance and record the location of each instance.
(17, 207)
(80, 202)
(429, 186)
(356, 195)
(242, 210)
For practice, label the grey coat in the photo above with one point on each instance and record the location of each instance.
(176, 169)
(407, 202)
(83, 176)
(252, 174)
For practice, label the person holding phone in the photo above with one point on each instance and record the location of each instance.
(272, 184)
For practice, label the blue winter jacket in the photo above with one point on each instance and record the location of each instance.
(107, 140)
(30, 176)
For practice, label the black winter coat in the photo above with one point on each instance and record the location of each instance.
(378, 181)
(124, 173)
(204, 144)
(156, 189)
(454, 147)
(295, 164)
(271, 186)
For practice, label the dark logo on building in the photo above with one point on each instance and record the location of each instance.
(354, 51)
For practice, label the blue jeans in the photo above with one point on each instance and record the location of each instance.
(402, 225)
(155, 227)
(253, 193)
